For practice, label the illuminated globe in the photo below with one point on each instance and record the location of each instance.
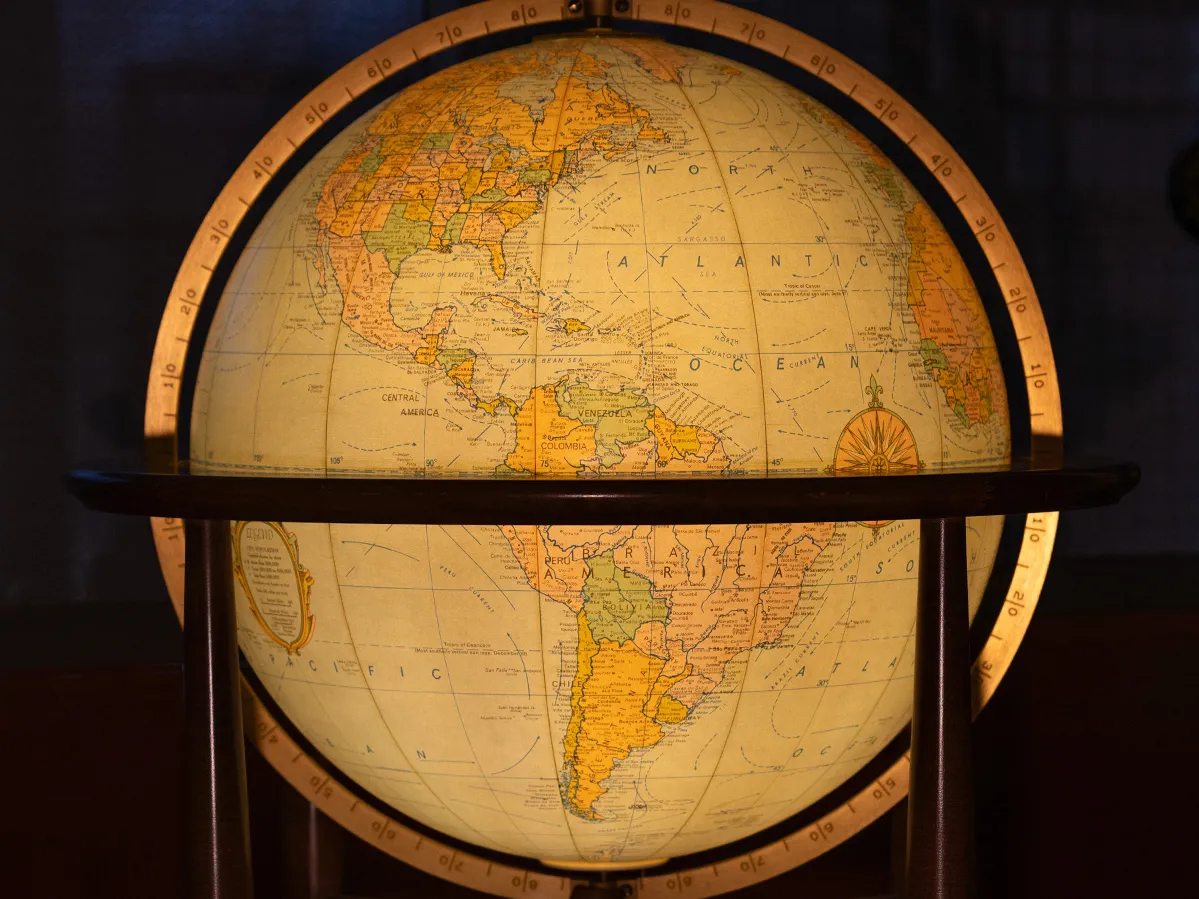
(592, 257)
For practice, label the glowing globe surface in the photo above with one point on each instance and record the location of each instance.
(592, 257)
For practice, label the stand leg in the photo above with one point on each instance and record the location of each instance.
(311, 848)
(899, 848)
(217, 854)
(940, 853)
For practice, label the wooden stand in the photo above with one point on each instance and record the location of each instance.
(940, 837)
(940, 850)
(217, 854)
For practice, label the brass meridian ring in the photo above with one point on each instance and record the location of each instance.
(769, 36)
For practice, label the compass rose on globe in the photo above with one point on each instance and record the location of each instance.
(598, 256)
(876, 441)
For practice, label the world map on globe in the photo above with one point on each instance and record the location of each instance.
(589, 257)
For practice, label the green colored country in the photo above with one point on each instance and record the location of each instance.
(671, 711)
(960, 411)
(502, 470)
(617, 602)
(452, 357)
(618, 418)
(437, 140)
(453, 227)
(588, 405)
(932, 355)
(399, 237)
(371, 162)
(887, 180)
(620, 428)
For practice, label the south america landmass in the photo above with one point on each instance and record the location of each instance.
(660, 611)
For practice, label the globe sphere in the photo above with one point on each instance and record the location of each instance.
(594, 257)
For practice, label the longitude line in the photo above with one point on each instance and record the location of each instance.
(537, 325)
(371, 692)
(341, 323)
(753, 312)
(619, 73)
(458, 710)
(649, 293)
(824, 694)
(683, 92)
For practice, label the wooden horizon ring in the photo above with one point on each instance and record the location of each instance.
(769, 36)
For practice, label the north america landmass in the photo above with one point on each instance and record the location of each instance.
(468, 155)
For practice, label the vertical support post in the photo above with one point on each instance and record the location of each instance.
(311, 849)
(940, 851)
(899, 848)
(217, 854)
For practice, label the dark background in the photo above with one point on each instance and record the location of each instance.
(124, 119)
